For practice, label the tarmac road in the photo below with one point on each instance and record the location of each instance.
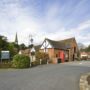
(45, 77)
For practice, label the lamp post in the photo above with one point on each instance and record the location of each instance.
(31, 43)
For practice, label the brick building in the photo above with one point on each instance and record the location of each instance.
(65, 49)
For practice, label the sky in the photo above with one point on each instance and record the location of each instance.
(53, 19)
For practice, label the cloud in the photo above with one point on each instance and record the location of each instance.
(56, 22)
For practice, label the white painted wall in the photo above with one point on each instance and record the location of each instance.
(46, 44)
(84, 56)
(19, 52)
(33, 50)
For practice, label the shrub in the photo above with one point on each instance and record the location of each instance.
(21, 61)
(78, 58)
(38, 55)
(35, 63)
(84, 58)
(42, 56)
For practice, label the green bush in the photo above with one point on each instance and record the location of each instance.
(21, 61)
(38, 55)
(84, 58)
(78, 58)
(44, 58)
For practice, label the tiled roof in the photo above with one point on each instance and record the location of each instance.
(61, 44)
(84, 53)
(68, 42)
(57, 44)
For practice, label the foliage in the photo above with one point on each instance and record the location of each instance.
(30, 46)
(87, 49)
(21, 61)
(43, 56)
(35, 63)
(16, 46)
(78, 58)
(22, 46)
(84, 58)
(38, 55)
(82, 50)
(4, 45)
(12, 50)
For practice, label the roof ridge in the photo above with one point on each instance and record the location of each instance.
(68, 39)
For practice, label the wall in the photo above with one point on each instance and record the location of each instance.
(53, 54)
(71, 50)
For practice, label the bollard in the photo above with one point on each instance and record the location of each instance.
(40, 61)
(47, 61)
(30, 63)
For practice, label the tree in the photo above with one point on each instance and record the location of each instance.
(4, 45)
(12, 49)
(22, 46)
(81, 46)
(30, 46)
(87, 49)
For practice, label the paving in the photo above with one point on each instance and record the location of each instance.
(45, 77)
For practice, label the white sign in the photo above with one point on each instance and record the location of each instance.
(5, 55)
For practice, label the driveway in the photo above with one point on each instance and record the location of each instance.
(45, 77)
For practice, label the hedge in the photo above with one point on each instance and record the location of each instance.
(21, 61)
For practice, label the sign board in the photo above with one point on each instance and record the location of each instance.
(5, 55)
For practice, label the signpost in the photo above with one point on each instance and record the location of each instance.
(5, 55)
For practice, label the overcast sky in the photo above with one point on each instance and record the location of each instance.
(54, 19)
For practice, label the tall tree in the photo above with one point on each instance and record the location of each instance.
(12, 49)
(87, 49)
(22, 46)
(4, 45)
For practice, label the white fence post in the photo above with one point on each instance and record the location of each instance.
(40, 61)
(30, 62)
(47, 61)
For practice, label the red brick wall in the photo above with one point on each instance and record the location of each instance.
(71, 50)
(52, 54)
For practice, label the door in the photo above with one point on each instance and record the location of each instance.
(62, 56)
